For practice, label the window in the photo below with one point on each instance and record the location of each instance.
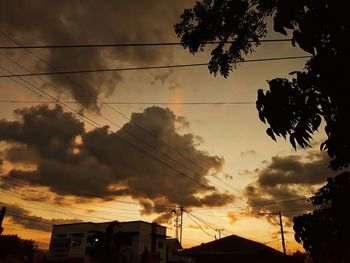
(76, 242)
(160, 244)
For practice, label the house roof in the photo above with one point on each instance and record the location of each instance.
(231, 245)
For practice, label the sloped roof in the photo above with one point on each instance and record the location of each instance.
(231, 245)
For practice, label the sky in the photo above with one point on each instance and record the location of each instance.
(146, 154)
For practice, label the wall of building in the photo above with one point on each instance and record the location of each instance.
(71, 240)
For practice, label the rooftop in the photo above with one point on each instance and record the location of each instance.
(231, 245)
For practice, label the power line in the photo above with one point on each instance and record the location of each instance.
(215, 229)
(140, 68)
(257, 204)
(130, 44)
(201, 220)
(57, 211)
(200, 227)
(140, 103)
(13, 177)
(53, 99)
(28, 218)
(12, 214)
(60, 211)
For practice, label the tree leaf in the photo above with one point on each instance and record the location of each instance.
(270, 133)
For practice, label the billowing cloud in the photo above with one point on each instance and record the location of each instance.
(76, 22)
(23, 217)
(132, 161)
(285, 183)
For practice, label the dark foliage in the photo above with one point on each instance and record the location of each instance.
(14, 246)
(105, 246)
(293, 107)
(325, 232)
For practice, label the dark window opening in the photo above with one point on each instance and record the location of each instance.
(76, 242)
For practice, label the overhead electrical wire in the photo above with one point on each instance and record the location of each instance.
(60, 211)
(69, 226)
(215, 229)
(167, 207)
(139, 103)
(201, 220)
(129, 44)
(261, 203)
(56, 211)
(49, 73)
(200, 227)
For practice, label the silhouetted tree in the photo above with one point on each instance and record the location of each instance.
(293, 107)
(105, 246)
(299, 257)
(325, 232)
(16, 247)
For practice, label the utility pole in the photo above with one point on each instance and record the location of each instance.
(177, 226)
(2, 215)
(219, 230)
(282, 234)
(281, 226)
(181, 210)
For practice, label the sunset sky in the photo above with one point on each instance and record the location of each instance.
(62, 164)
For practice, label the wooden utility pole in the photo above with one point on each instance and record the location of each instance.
(281, 226)
(2, 215)
(181, 210)
(177, 226)
(282, 234)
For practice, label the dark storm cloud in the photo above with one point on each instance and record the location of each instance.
(23, 217)
(285, 182)
(105, 165)
(50, 133)
(21, 155)
(293, 170)
(79, 22)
